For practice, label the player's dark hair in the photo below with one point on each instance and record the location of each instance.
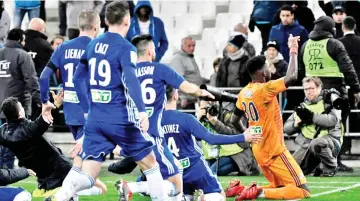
(87, 19)
(116, 11)
(349, 23)
(256, 63)
(287, 8)
(57, 37)
(141, 42)
(16, 34)
(10, 108)
(170, 91)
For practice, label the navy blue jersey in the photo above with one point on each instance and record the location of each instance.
(180, 131)
(66, 58)
(108, 65)
(153, 78)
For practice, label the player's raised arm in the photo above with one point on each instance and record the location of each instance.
(80, 76)
(199, 131)
(194, 90)
(292, 72)
(46, 74)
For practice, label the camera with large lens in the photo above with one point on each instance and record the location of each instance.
(332, 96)
(219, 95)
(212, 110)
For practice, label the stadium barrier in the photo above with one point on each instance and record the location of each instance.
(237, 89)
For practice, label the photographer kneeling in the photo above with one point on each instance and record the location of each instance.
(318, 122)
(233, 157)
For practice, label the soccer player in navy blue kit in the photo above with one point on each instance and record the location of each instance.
(181, 131)
(116, 111)
(154, 77)
(65, 58)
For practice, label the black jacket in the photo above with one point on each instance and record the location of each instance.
(281, 68)
(10, 176)
(37, 43)
(223, 73)
(352, 46)
(25, 139)
(337, 51)
(19, 78)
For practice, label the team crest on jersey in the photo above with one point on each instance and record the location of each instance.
(248, 94)
(133, 57)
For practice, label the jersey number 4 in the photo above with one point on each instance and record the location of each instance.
(172, 146)
(251, 111)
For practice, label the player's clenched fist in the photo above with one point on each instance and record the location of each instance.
(293, 43)
(144, 121)
(252, 138)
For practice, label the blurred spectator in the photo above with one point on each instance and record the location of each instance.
(216, 65)
(144, 22)
(62, 18)
(243, 30)
(37, 45)
(5, 23)
(352, 46)
(277, 64)
(17, 78)
(302, 13)
(73, 8)
(318, 124)
(338, 16)
(184, 63)
(102, 13)
(351, 42)
(56, 41)
(232, 71)
(288, 25)
(40, 50)
(262, 16)
(351, 7)
(31, 7)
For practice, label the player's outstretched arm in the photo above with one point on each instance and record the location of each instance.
(44, 84)
(80, 76)
(199, 131)
(195, 90)
(292, 72)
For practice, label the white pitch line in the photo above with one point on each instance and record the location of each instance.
(315, 182)
(332, 191)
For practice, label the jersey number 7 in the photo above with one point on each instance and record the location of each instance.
(250, 111)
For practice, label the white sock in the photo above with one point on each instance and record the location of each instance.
(77, 182)
(188, 198)
(73, 171)
(262, 194)
(139, 187)
(92, 191)
(153, 176)
(213, 197)
(23, 196)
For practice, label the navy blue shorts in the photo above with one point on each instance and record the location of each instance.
(77, 131)
(208, 183)
(101, 138)
(165, 158)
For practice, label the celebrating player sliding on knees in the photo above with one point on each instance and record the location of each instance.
(258, 102)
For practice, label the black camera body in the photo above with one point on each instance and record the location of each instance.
(332, 96)
(212, 110)
(221, 96)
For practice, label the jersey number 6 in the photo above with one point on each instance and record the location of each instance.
(251, 111)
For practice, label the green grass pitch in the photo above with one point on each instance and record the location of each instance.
(339, 188)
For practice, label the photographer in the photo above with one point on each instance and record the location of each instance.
(232, 158)
(318, 122)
